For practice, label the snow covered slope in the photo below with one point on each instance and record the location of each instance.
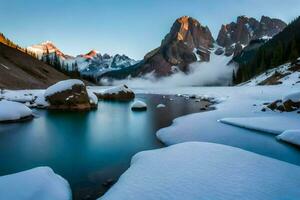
(203, 171)
(287, 74)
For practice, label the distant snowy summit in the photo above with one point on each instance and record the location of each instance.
(92, 63)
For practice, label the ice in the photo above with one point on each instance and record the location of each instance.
(202, 171)
(10, 110)
(39, 183)
(62, 86)
(233, 102)
(290, 136)
(274, 124)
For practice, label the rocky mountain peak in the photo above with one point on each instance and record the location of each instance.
(191, 32)
(90, 54)
(236, 35)
(188, 41)
(47, 47)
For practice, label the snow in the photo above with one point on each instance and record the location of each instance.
(196, 54)
(39, 183)
(294, 97)
(41, 102)
(93, 97)
(62, 86)
(274, 124)
(117, 89)
(290, 136)
(161, 106)
(10, 110)
(232, 102)
(197, 170)
(139, 104)
(291, 78)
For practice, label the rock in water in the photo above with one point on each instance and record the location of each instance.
(68, 95)
(139, 106)
(161, 106)
(14, 112)
(120, 93)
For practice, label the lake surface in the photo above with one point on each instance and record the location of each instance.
(88, 148)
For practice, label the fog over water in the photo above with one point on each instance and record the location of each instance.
(215, 72)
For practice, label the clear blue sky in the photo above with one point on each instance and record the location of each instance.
(132, 27)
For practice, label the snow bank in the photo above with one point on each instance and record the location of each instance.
(62, 86)
(39, 183)
(274, 125)
(41, 102)
(93, 97)
(10, 111)
(294, 97)
(290, 136)
(139, 105)
(197, 170)
(117, 89)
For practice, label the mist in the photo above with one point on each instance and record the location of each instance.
(213, 73)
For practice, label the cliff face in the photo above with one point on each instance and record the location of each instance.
(187, 42)
(234, 36)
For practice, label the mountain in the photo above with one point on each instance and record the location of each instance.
(286, 74)
(282, 48)
(89, 65)
(236, 35)
(188, 41)
(18, 70)
(47, 48)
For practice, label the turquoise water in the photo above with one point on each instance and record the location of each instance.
(88, 148)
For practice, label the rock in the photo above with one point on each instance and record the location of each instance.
(120, 93)
(68, 95)
(237, 34)
(139, 106)
(219, 51)
(287, 104)
(186, 38)
(161, 106)
(14, 112)
(274, 105)
(93, 100)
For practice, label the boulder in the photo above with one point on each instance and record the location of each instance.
(139, 106)
(14, 112)
(119, 93)
(68, 95)
(287, 104)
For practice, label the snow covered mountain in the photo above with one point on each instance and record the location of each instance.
(90, 65)
(47, 47)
